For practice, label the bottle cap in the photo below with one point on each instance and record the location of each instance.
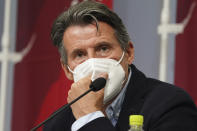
(136, 120)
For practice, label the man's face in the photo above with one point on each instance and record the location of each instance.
(82, 42)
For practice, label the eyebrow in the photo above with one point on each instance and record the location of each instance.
(104, 43)
(97, 45)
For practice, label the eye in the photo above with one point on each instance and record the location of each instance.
(103, 48)
(79, 54)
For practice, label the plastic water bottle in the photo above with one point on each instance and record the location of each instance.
(136, 122)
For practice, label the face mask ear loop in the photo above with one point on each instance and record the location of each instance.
(70, 70)
(119, 63)
(121, 58)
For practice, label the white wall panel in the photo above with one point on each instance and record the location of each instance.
(141, 18)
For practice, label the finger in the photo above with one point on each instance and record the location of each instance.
(69, 96)
(101, 92)
(84, 82)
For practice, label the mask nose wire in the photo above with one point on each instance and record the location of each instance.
(121, 57)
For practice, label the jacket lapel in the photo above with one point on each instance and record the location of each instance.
(134, 98)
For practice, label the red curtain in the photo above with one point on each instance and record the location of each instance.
(186, 50)
(40, 86)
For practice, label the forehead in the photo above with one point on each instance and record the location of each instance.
(81, 34)
(102, 27)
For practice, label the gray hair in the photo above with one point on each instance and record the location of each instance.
(86, 13)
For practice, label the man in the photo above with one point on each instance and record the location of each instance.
(93, 42)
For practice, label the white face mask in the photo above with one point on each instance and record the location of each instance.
(96, 66)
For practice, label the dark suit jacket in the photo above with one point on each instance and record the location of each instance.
(164, 107)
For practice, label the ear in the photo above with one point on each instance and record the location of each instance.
(130, 53)
(68, 74)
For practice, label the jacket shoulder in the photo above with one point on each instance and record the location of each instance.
(167, 106)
